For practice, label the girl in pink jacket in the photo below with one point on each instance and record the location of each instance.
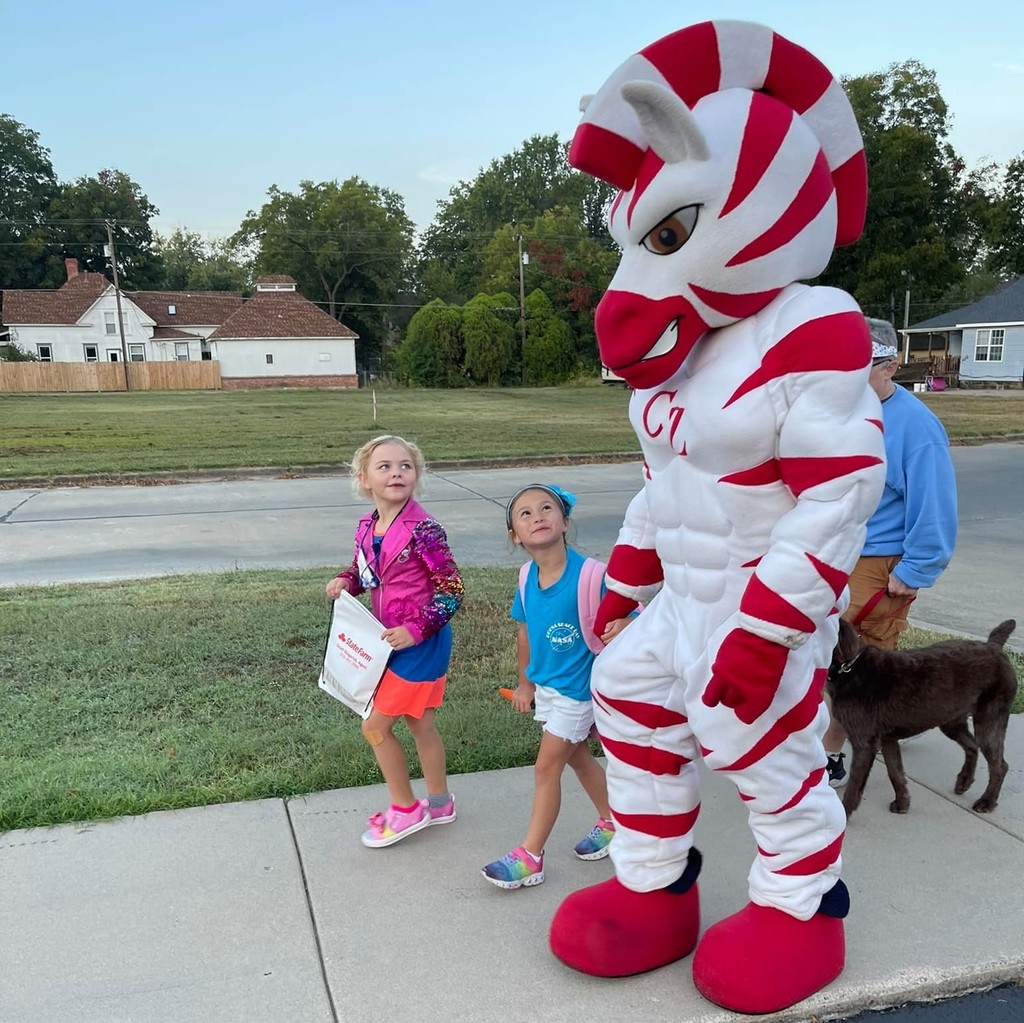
(402, 557)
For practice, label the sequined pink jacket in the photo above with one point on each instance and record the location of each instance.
(419, 583)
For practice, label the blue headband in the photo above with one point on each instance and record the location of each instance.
(566, 500)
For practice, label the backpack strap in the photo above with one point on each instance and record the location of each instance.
(589, 600)
(523, 574)
(588, 597)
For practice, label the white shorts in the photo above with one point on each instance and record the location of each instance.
(564, 718)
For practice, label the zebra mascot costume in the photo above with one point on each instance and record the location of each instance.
(740, 167)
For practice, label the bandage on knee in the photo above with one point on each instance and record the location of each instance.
(373, 736)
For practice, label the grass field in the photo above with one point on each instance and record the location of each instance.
(143, 431)
(129, 697)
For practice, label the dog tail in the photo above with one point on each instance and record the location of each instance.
(1001, 633)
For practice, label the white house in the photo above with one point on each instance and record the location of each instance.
(987, 335)
(279, 339)
(275, 339)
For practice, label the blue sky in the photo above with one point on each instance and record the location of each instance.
(206, 103)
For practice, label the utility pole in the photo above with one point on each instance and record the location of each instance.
(906, 316)
(112, 253)
(522, 307)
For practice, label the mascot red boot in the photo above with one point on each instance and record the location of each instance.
(741, 167)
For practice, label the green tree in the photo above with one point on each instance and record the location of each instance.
(11, 352)
(27, 187)
(1007, 224)
(550, 357)
(920, 228)
(550, 351)
(976, 285)
(489, 338)
(347, 245)
(513, 190)
(220, 270)
(78, 215)
(570, 267)
(194, 263)
(432, 352)
(181, 252)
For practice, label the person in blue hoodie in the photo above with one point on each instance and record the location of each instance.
(912, 534)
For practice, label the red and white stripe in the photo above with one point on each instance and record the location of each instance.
(703, 59)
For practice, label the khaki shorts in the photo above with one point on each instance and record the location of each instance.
(888, 618)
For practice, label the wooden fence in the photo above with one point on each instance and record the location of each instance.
(23, 377)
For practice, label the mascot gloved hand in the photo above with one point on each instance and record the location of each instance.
(740, 168)
(745, 675)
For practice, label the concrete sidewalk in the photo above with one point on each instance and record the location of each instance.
(273, 911)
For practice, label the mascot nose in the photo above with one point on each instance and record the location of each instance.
(620, 318)
(629, 325)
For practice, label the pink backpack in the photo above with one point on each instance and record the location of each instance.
(588, 598)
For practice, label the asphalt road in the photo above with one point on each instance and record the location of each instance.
(1003, 1005)
(101, 533)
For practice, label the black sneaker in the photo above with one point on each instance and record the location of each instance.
(836, 770)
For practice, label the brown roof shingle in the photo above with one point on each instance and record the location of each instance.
(65, 306)
(280, 314)
(173, 334)
(191, 308)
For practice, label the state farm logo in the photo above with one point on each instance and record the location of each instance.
(354, 647)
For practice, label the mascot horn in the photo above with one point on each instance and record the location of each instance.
(741, 168)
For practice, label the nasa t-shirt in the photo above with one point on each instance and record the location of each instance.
(559, 656)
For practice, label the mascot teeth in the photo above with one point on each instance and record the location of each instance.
(665, 343)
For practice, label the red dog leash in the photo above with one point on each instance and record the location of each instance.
(871, 603)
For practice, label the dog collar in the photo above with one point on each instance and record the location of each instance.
(846, 667)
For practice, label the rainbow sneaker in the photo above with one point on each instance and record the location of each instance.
(517, 869)
(392, 825)
(595, 845)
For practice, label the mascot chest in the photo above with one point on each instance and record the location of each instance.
(706, 418)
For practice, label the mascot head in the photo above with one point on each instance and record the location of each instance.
(740, 167)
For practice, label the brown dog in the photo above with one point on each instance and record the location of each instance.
(882, 696)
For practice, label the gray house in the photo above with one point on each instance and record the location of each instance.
(986, 336)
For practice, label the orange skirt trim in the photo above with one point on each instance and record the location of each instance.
(396, 696)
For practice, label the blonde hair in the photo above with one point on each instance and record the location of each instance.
(361, 461)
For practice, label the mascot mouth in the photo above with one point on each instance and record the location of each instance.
(645, 340)
(662, 359)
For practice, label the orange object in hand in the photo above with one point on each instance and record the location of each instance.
(507, 693)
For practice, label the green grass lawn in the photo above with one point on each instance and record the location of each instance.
(129, 697)
(143, 431)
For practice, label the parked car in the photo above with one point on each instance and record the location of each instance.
(609, 376)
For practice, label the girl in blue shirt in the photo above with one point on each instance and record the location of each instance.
(554, 678)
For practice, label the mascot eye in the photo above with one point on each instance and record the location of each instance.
(672, 233)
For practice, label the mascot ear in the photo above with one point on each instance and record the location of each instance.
(670, 127)
(585, 102)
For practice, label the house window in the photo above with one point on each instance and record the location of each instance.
(45, 353)
(113, 355)
(91, 352)
(110, 323)
(988, 345)
(137, 353)
(270, 359)
(181, 351)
